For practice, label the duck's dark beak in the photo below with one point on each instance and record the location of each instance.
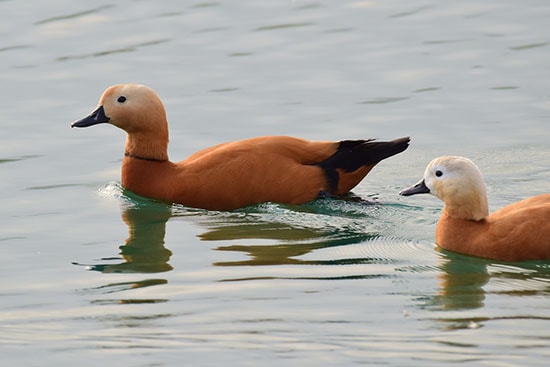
(419, 188)
(96, 117)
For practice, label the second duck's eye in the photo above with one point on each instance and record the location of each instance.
(438, 173)
(121, 99)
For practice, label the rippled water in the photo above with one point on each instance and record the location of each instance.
(93, 274)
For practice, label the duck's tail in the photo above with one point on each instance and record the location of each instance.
(355, 158)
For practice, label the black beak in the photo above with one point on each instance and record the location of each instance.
(419, 188)
(96, 117)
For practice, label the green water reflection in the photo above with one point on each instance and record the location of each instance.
(463, 282)
(144, 250)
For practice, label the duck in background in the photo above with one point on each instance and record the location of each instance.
(517, 232)
(231, 175)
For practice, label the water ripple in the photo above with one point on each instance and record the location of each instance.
(283, 26)
(130, 48)
(73, 15)
(384, 100)
(528, 46)
(19, 158)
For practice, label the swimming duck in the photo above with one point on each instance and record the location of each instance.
(231, 175)
(517, 232)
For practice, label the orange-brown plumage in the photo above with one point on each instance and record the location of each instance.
(231, 175)
(517, 232)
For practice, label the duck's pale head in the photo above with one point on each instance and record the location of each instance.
(136, 109)
(458, 182)
(131, 107)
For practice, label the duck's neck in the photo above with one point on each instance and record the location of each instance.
(147, 146)
(472, 207)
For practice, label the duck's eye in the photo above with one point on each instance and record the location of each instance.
(121, 99)
(438, 173)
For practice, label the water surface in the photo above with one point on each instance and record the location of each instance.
(95, 275)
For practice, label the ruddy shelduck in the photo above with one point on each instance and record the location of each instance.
(517, 232)
(231, 175)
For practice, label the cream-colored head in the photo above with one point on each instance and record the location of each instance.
(459, 183)
(138, 110)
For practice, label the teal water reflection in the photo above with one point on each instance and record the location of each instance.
(464, 281)
(144, 249)
(332, 283)
(264, 237)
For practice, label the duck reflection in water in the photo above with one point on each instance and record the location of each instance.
(461, 282)
(143, 250)
(465, 281)
(292, 242)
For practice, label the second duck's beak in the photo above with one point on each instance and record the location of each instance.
(419, 188)
(96, 117)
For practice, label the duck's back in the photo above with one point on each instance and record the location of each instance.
(236, 174)
(524, 227)
(517, 232)
(275, 168)
(299, 150)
